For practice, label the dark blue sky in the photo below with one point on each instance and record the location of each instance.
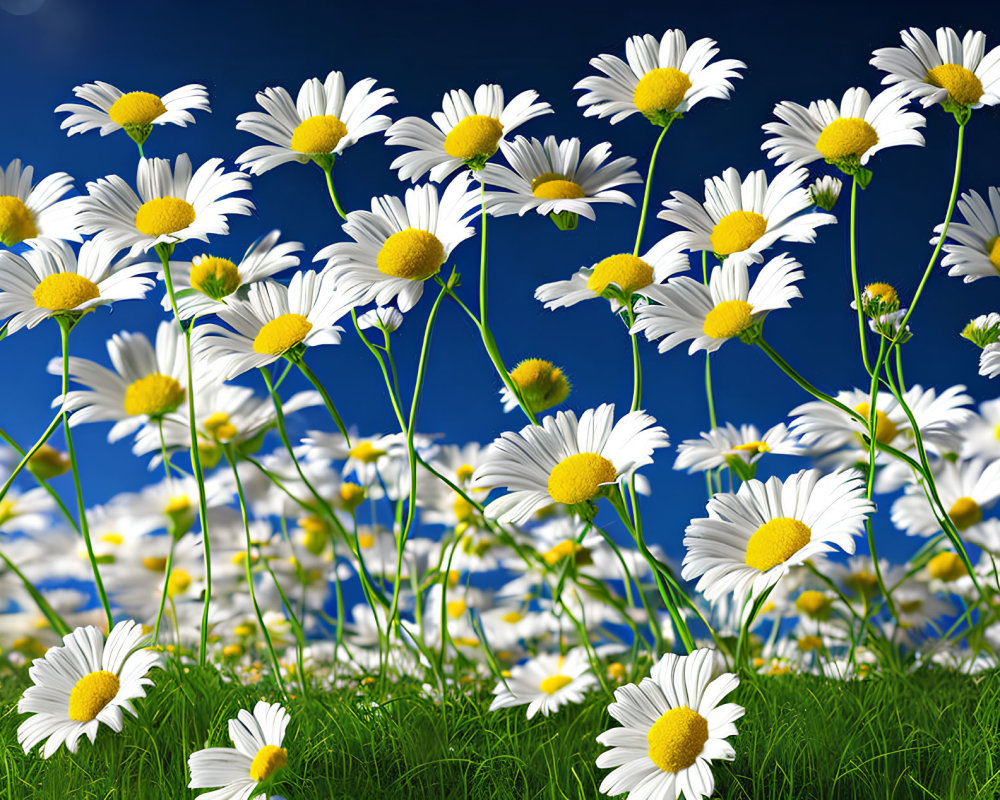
(422, 50)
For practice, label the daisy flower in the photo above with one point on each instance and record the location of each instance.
(467, 131)
(981, 432)
(751, 538)
(551, 179)
(541, 383)
(322, 122)
(989, 361)
(719, 446)
(50, 281)
(172, 205)
(977, 252)
(727, 307)
(32, 213)
(272, 322)
(847, 135)
(134, 112)
(616, 277)
(825, 192)
(565, 460)
(983, 330)
(661, 80)
(546, 683)
(739, 219)
(965, 489)
(400, 244)
(257, 756)
(672, 729)
(82, 684)
(952, 72)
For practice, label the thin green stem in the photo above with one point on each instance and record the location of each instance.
(34, 449)
(854, 276)
(649, 186)
(327, 400)
(328, 171)
(42, 482)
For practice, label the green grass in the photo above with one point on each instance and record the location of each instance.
(933, 734)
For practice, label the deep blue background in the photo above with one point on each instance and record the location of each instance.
(422, 50)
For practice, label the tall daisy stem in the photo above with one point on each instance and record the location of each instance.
(328, 171)
(854, 277)
(649, 186)
(41, 481)
(327, 400)
(26, 457)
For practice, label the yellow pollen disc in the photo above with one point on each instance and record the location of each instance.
(244, 629)
(154, 395)
(464, 510)
(178, 504)
(512, 617)
(456, 608)
(946, 566)
(885, 428)
(811, 602)
(319, 134)
(216, 277)
(180, 582)
(314, 525)
(64, 291)
(910, 606)
(676, 739)
(559, 552)
(112, 538)
(366, 540)
(155, 563)
(136, 108)
(965, 512)
(728, 319)
(963, 86)
(476, 135)
(366, 452)
(775, 542)
(809, 643)
(883, 291)
(282, 334)
(846, 136)
(996, 432)
(542, 384)
(7, 511)
(16, 221)
(232, 651)
(554, 683)
(753, 447)
(579, 477)
(47, 462)
(627, 271)
(737, 231)
(863, 582)
(219, 426)
(163, 215)
(553, 186)
(412, 253)
(661, 89)
(464, 472)
(91, 694)
(616, 671)
(352, 494)
(992, 247)
(269, 759)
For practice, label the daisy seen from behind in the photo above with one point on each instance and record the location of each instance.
(29, 212)
(661, 79)
(565, 460)
(546, 683)
(673, 727)
(258, 754)
(974, 252)
(83, 683)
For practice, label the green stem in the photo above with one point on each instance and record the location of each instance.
(854, 276)
(328, 171)
(57, 622)
(42, 482)
(327, 400)
(649, 186)
(34, 449)
(636, 364)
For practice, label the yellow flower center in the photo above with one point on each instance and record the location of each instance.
(812, 603)
(965, 512)
(352, 494)
(476, 135)
(464, 510)
(180, 582)
(456, 608)
(136, 108)
(91, 694)
(996, 432)
(16, 221)
(862, 582)
(677, 738)
(47, 462)
(885, 428)
(244, 629)
(553, 186)
(512, 617)
(64, 291)
(752, 447)
(846, 136)
(946, 566)
(464, 472)
(282, 334)
(542, 384)
(992, 246)
(269, 759)
(216, 277)
(661, 89)
(163, 215)
(319, 134)
(154, 395)
(883, 291)
(627, 271)
(560, 551)
(911, 606)
(412, 253)
(729, 318)
(7, 511)
(737, 231)
(219, 427)
(155, 563)
(775, 542)
(579, 477)
(809, 643)
(963, 86)
(554, 683)
(366, 452)
(366, 541)
(112, 538)
(178, 505)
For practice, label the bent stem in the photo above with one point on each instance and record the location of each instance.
(649, 185)
(327, 400)
(328, 171)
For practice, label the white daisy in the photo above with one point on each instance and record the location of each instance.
(752, 537)
(977, 252)
(50, 281)
(32, 213)
(983, 330)
(546, 683)
(386, 318)
(83, 683)
(672, 729)
(718, 446)
(825, 191)
(468, 131)
(400, 244)
(322, 123)
(172, 205)
(981, 432)
(965, 489)
(740, 219)
(271, 322)
(564, 460)
(953, 72)
(661, 79)
(727, 307)
(989, 360)
(257, 756)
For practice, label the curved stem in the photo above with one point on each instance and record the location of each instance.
(327, 400)
(636, 364)
(328, 171)
(41, 481)
(26, 457)
(649, 186)
(854, 276)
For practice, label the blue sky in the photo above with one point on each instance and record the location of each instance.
(422, 50)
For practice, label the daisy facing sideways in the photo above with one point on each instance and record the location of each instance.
(29, 213)
(257, 756)
(721, 446)
(83, 683)
(565, 460)
(673, 727)
(975, 251)
(546, 683)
